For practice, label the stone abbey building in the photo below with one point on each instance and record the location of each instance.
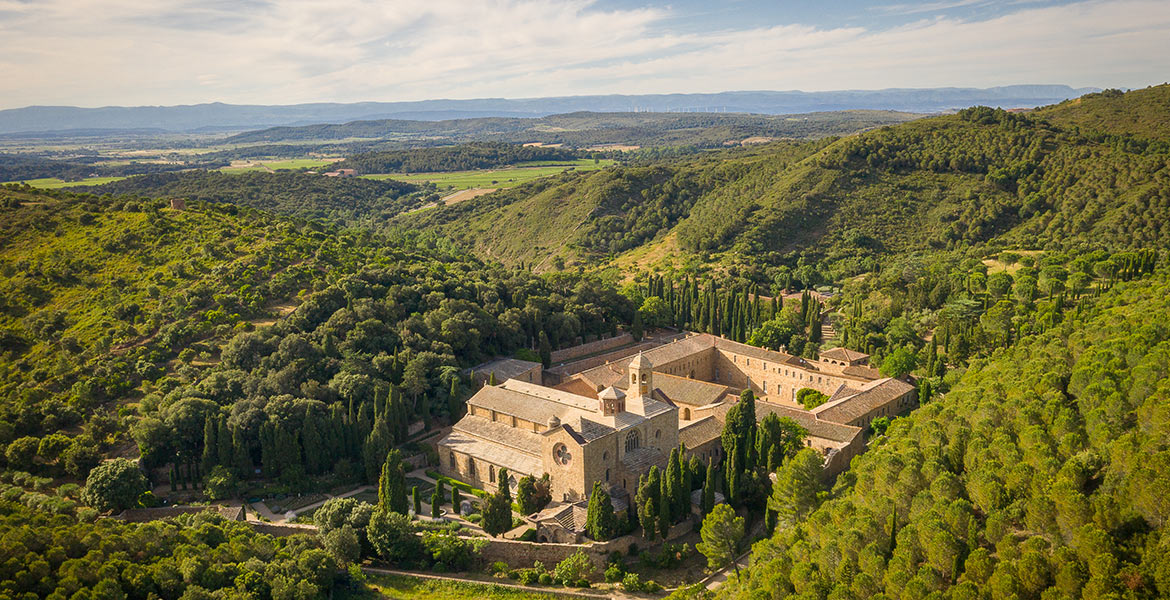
(612, 422)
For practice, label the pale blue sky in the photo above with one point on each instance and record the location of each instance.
(129, 52)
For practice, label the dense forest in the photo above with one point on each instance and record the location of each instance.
(338, 199)
(479, 155)
(1040, 474)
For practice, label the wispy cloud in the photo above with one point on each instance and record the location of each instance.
(927, 7)
(97, 52)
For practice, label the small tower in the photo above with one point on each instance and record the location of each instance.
(612, 400)
(641, 376)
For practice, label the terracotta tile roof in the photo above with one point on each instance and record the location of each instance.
(680, 349)
(754, 352)
(826, 430)
(500, 433)
(697, 433)
(872, 395)
(862, 372)
(843, 354)
(494, 452)
(640, 460)
(505, 368)
(680, 390)
(511, 402)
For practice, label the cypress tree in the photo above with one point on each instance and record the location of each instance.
(397, 483)
(676, 485)
(240, 456)
(712, 480)
(415, 500)
(223, 440)
(600, 520)
(437, 497)
(504, 486)
(545, 350)
(456, 500)
(314, 450)
(210, 448)
(646, 500)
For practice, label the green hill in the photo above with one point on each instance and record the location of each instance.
(981, 177)
(1138, 113)
(99, 296)
(1043, 473)
(340, 199)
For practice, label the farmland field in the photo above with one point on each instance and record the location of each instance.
(52, 183)
(278, 165)
(495, 178)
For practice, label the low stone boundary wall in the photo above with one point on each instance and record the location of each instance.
(522, 554)
(589, 348)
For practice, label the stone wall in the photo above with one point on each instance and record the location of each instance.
(596, 361)
(522, 554)
(599, 346)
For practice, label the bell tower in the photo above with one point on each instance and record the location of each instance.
(613, 401)
(641, 376)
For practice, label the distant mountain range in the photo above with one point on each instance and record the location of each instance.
(230, 117)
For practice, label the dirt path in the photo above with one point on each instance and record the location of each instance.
(720, 577)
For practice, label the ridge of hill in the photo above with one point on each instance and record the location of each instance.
(983, 176)
(1138, 113)
(218, 115)
(582, 129)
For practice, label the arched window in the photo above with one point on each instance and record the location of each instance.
(451, 456)
(492, 473)
(470, 467)
(657, 434)
(633, 440)
(607, 475)
(686, 414)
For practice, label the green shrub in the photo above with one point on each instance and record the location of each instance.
(546, 578)
(614, 574)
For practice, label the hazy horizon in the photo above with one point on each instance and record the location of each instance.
(98, 53)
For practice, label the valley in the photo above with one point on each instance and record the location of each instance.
(882, 355)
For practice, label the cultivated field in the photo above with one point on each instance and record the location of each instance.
(52, 183)
(496, 178)
(278, 165)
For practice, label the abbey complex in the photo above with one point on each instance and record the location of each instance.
(613, 422)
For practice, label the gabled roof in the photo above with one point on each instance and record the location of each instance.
(826, 430)
(844, 354)
(504, 368)
(684, 391)
(697, 433)
(871, 396)
(493, 451)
